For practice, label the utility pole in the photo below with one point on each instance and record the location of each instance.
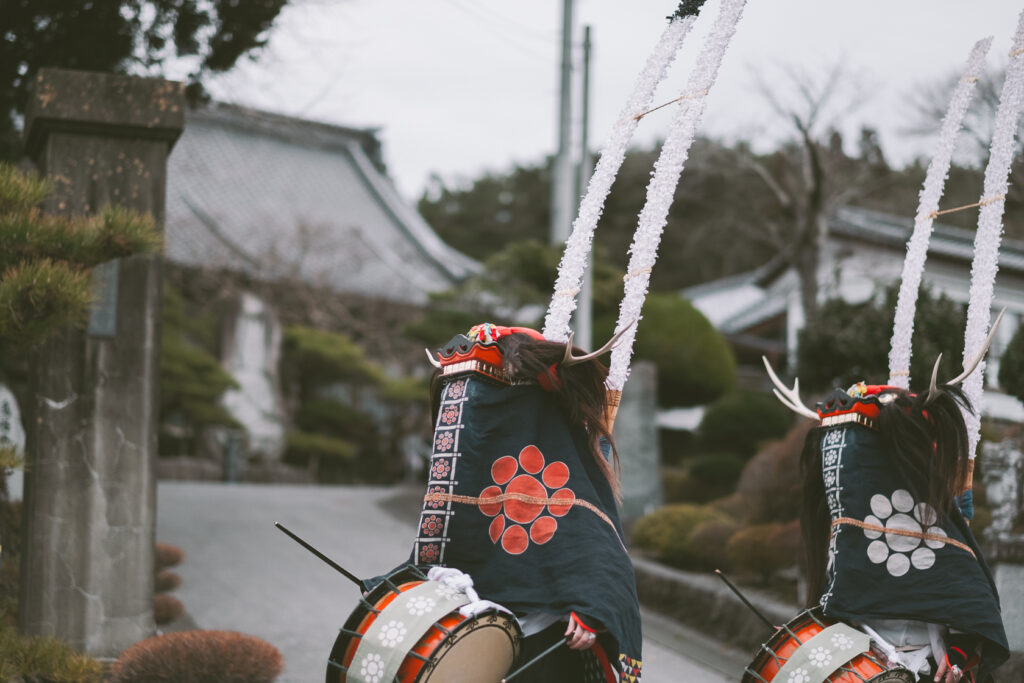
(563, 184)
(584, 326)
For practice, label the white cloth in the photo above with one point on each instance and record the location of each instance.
(906, 642)
(463, 582)
(535, 622)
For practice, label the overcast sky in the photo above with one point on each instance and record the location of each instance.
(462, 86)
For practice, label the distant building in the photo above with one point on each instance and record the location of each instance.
(278, 197)
(760, 312)
(285, 200)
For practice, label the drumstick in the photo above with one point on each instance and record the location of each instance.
(347, 574)
(746, 602)
(536, 659)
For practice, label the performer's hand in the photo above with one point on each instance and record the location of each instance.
(580, 637)
(947, 673)
(955, 661)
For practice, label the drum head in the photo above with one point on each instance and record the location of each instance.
(480, 650)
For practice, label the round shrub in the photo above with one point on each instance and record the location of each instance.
(167, 580)
(666, 533)
(712, 538)
(199, 657)
(1011, 365)
(695, 364)
(740, 421)
(166, 608)
(751, 549)
(719, 470)
(678, 486)
(168, 555)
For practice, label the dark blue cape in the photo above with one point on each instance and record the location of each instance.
(530, 548)
(878, 575)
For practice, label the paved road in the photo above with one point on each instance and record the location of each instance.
(240, 573)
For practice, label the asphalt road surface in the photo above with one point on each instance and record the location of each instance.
(240, 573)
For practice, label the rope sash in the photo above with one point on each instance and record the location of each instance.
(521, 497)
(903, 532)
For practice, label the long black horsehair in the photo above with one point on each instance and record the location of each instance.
(687, 8)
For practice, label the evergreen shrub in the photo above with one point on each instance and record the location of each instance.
(695, 364)
(199, 657)
(667, 533)
(740, 421)
(755, 549)
(716, 470)
(312, 358)
(333, 460)
(1011, 365)
(712, 538)
(41, 659)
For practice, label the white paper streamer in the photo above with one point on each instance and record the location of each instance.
(661, 189)
(577, 248)
(931, 193)
(990, 226)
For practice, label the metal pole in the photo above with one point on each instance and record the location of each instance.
(562, 182)
(584, 327)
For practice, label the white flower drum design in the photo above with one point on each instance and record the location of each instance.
(820, 657)
(420, 605)
(899, 512)
(372, 668)
(841, 641)
(393, 634)
(799, 676)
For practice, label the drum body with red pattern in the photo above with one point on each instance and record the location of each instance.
(452, 649)
(812, 648)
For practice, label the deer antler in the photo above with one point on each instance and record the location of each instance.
(969, 366)
(570, 359)
(789, 397)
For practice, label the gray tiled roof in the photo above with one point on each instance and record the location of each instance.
(893, 231)
(277, 197)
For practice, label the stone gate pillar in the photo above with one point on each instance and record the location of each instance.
(636, 438)
(90, 489)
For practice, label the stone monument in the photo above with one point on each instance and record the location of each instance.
(90, 490)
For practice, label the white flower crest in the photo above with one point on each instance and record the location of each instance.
(372, 668)
(392, 634)
(820, 657)
(798, 676)
(421, 605)
(447, 592)
(841, 641)
(899, 552)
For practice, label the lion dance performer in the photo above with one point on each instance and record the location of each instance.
(887, 473)
(522, 498)
(887, 548)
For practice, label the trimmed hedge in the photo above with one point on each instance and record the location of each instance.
(166, 608)
(695, 364)
(1011, 366)
(717, 470)
(166, 581)
(199, 657)
(168, 555)
(667, 533)
(740, 421)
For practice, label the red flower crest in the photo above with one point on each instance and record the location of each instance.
(521, 519)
